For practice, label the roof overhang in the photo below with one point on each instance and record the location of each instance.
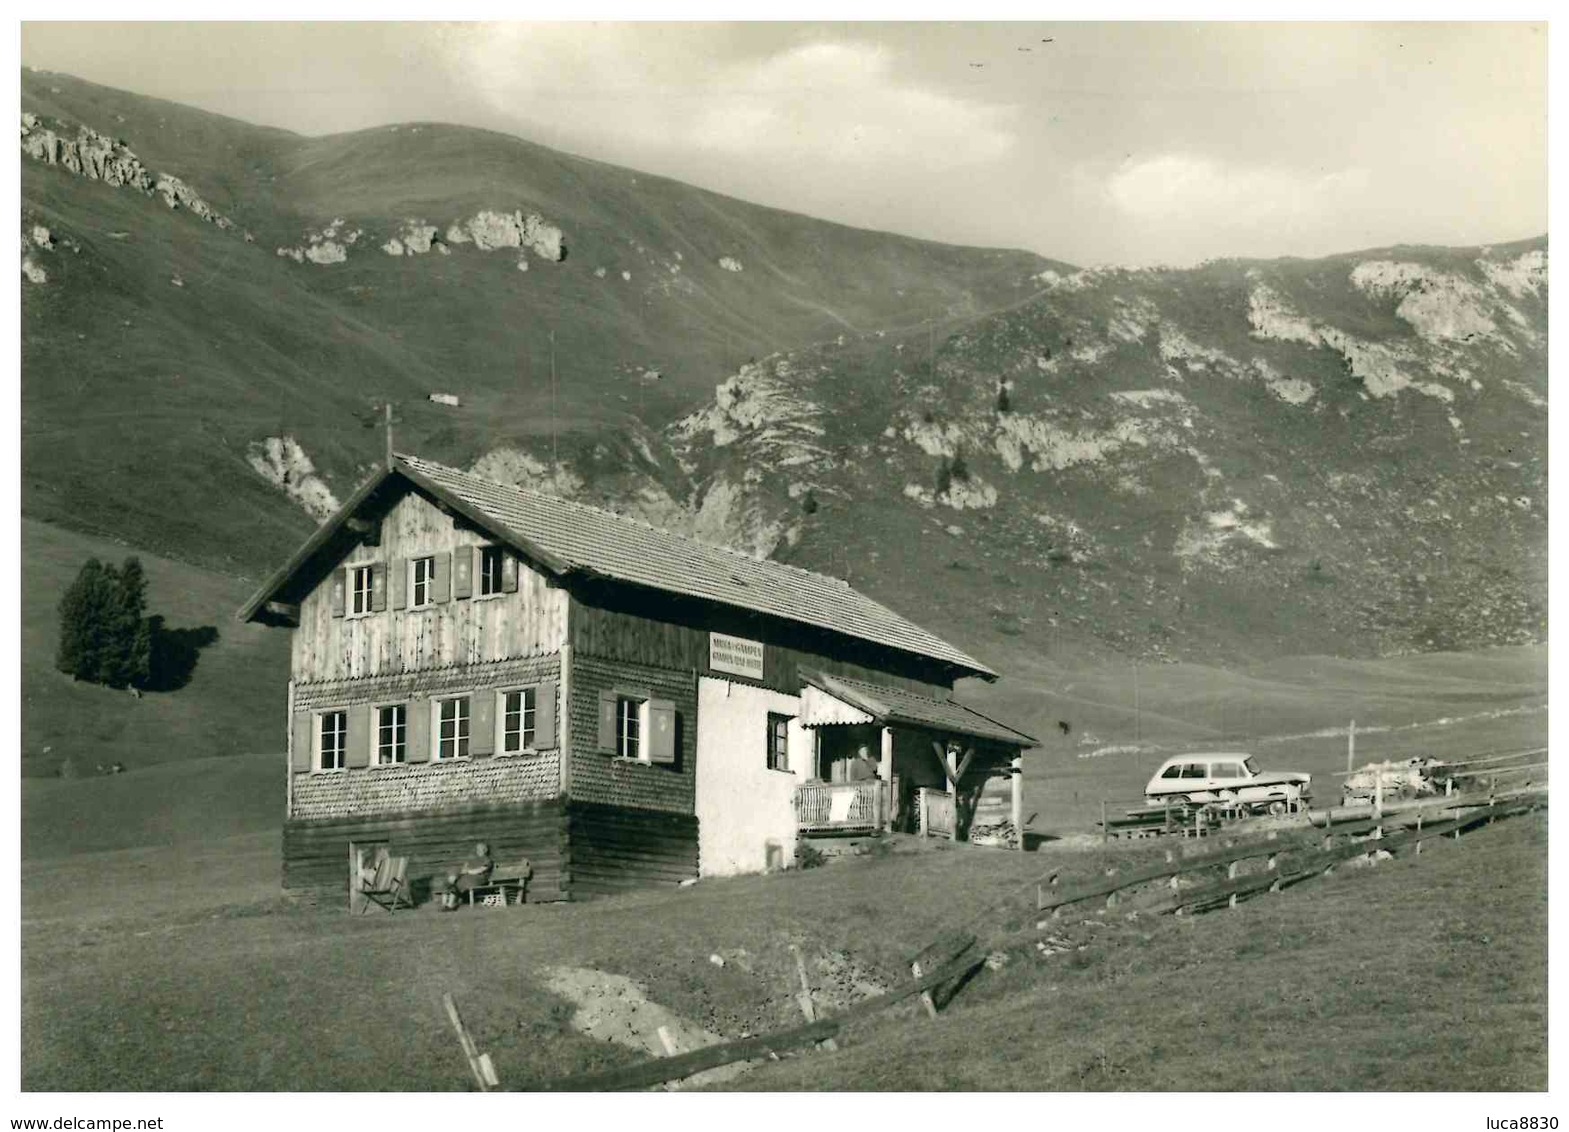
(827, 700)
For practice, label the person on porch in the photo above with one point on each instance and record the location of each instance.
(863, 767)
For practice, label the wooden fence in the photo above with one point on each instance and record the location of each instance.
(934, 809)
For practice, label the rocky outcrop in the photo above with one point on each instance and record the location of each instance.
(415, 237)
(283, 463)
(488, 230)
(729, 263)
(98, 157)
(329, 245)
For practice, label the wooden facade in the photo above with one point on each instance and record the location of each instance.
(451, 687)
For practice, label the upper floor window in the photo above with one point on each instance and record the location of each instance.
(422, 582)
(333, 735)
(452, 729)
(490, 570)
(360, 586)
(629, 727)
(518, 716)
(778, 741)
(391, 734)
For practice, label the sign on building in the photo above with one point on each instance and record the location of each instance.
(735, 655)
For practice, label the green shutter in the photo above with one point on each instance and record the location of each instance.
(482, 723)
(545, 716)
(661, 737)
(303, 745)
(378, 587)
(509, 573)
(418, 749)
(339, 590)
(441, 580)
(607, 722)
(463, 572)
(358, 737)
(400, 583)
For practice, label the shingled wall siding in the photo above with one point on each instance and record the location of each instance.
(316, 853)
(424, 787)
(426, 682)
(603, 778)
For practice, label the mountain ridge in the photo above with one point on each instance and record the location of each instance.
(1140, 461)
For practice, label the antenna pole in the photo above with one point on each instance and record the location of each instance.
(388, 419)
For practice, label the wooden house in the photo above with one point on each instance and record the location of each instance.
(621, 705)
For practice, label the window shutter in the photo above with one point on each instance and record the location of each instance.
(340, 585)
(482, 726)
(358, 739)
(418, 748)
(441, 579)
(607, 722)
(509, 573)
(400, 583)
(378, 587)
(304, 744)
(463, 572)
(661, 737)
(545, 716)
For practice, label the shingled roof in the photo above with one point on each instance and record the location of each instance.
(895, 705)
(567, 538)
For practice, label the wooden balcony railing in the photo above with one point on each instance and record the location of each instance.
(840, 807)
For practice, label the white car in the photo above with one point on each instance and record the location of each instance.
(1225, 776)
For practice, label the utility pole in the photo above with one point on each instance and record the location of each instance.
(1137, 735)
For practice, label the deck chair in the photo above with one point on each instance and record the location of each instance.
(389, 887)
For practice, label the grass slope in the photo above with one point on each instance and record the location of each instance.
(1423, 973)
(232, 705)
(178, 381)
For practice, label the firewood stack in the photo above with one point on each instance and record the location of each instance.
(999, 834)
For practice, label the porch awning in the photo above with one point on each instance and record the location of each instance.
(835, 699)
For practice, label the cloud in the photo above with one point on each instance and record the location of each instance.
(840, 102)
(1198, 190)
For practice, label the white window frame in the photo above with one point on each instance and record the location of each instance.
(531, 732)
(481, 578)
(368, 573)
(460, 740)
(319, 748)
(639, 719)
(375, 733)
(429, 582)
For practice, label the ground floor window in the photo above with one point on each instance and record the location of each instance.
(517, 720)
(452, 731)
(778, 741)
(334, 734)
(391, 734)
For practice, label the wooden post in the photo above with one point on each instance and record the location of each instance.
(1351, 745)
(1378, 791)
(885, 769)
(479, 1063)
(1105, 830)
(388, 418)
(288, 770)
(1016, 773)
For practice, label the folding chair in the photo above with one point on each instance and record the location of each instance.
(390, 886)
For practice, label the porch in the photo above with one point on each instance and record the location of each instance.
(887, 760)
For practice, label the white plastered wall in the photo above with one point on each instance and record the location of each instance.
(743, 808)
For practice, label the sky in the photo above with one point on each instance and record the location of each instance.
(1095, 143)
